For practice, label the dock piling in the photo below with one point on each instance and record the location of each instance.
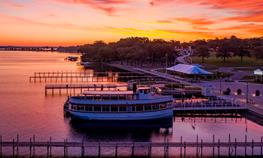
(1, 151)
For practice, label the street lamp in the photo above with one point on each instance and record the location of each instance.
(166, 63)
(220, 85)
(247, 92)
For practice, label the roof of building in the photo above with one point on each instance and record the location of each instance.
(258, 72)
(189, 69)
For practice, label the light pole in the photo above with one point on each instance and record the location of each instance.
(247, 92)
(220, 85)
(166, 63)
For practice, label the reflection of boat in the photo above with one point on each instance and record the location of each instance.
(119, 106)
(85, 125)
(72, 58)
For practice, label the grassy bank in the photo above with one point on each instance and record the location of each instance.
(213, 62)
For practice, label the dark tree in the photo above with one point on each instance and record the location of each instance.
(202, 51)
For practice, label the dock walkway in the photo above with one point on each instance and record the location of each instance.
(80, 88)
(201, 148)
(83, 76)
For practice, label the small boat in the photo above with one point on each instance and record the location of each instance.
(85, 64)
(72, 58)
(119, 106)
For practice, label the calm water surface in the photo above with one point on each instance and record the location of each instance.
(25, 110)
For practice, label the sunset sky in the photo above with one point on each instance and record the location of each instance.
(71, 22)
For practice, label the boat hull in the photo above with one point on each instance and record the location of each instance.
(133, 116)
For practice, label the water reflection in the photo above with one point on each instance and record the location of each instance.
(121, 130)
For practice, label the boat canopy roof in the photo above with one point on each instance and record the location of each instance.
(139, 99)
(108, 93)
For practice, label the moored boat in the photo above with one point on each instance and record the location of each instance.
(119, 106)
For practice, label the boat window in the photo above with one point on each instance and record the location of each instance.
(155, 107)
(114, 108)
(133, 108)
(97, 108)
(162, 106)
(105, 108)
(122, 108)
(147, 107)
(139, 108)
(88, 108)
(80, 107)
(73, 107)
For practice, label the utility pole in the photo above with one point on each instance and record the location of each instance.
(220, 85)
(166, 63)
(247, 92)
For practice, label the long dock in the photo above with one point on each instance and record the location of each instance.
(68, 88)
(84, 76)
(209, 106)
(198, 148)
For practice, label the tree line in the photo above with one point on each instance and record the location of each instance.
(142, 50)
(229, 47)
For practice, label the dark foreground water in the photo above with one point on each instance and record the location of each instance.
(25, 110)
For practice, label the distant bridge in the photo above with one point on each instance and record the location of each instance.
(28, 48)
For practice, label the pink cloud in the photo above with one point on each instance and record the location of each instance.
(108, 6)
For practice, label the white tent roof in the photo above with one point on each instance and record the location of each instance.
(258, 72)
(189, 69)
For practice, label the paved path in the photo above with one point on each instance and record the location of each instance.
(181, 59)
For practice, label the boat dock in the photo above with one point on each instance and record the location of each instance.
(198, 148)
(79, 88)
(84, 76)
(219, 105)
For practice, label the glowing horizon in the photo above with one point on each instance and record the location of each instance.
(74, 22)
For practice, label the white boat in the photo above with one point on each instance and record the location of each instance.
(85, 64)
(119, 105)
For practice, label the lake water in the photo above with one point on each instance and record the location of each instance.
(25, 110)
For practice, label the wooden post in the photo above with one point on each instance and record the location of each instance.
(245, 145)
(50, 147)
(201, 147)
(30, 147)
(213, 145)
(17, 149)
(197, 146)
(184, 150)
(34, 139)
(229, 145)
(181, 144)
(218, 148)
(47, 148)
(13, 147)
(65, 148)
(116, 150)
(82, 149)
(252, 148)
(132, 155)
(1, 152)
(150, 149)
(99, 150)
(45, 91)
(261, 146)
(235, 147)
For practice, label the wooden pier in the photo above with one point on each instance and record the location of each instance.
(209, 106)
(84, 76)
(198, 148)
(79, 88)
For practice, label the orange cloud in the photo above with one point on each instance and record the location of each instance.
(108, 6)
(249, 28)
(198, 21)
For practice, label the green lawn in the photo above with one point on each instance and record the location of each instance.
(213, 62)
